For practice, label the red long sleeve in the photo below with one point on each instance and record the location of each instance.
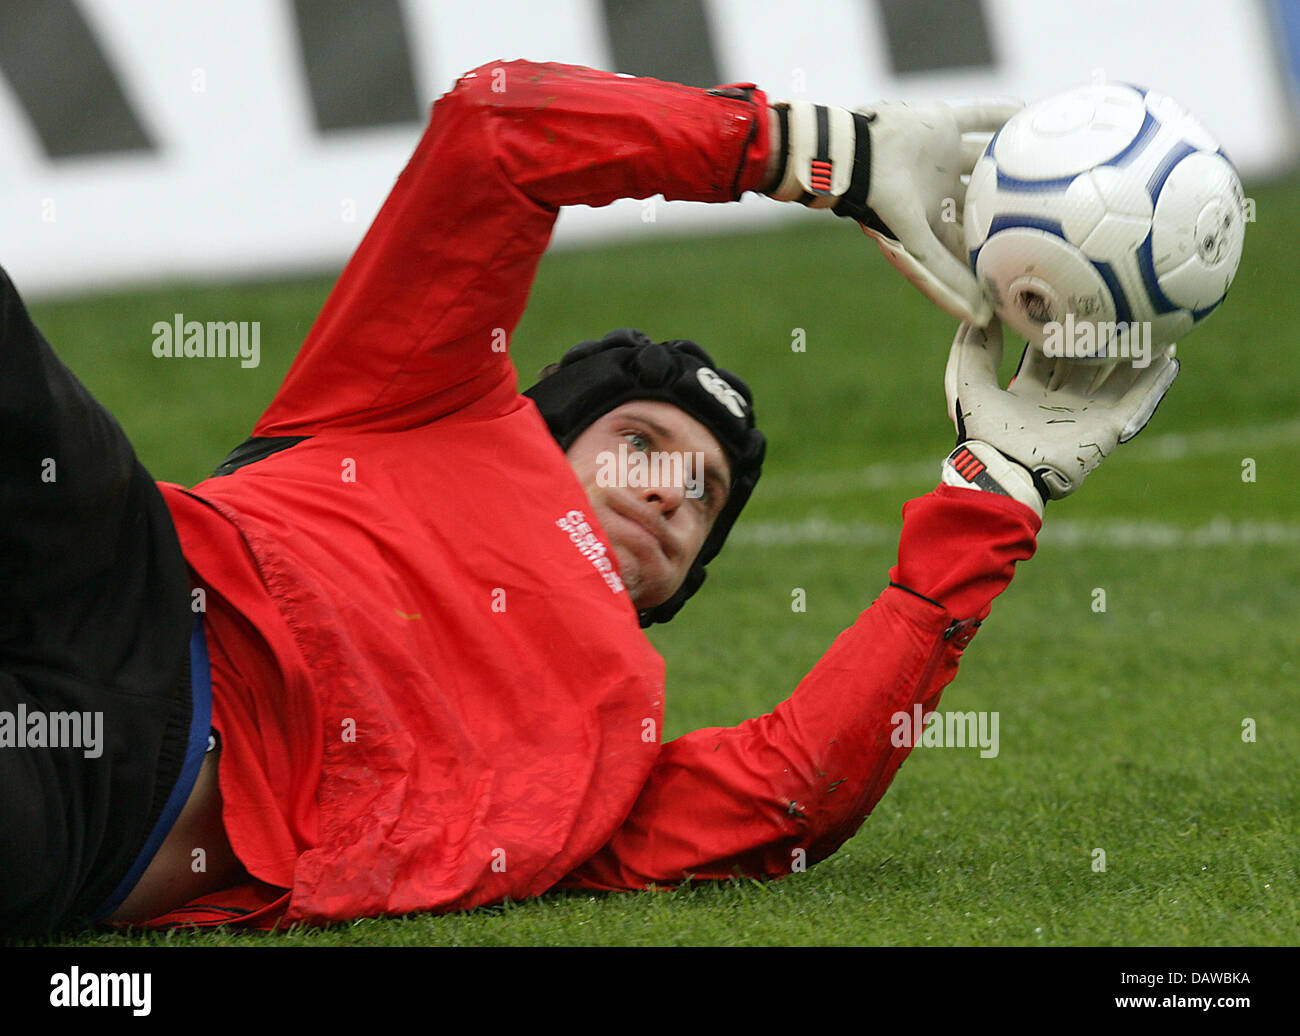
(792, 786)
(415, 329)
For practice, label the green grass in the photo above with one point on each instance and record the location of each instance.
(1119, 730)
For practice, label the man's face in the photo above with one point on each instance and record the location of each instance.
(655, 530)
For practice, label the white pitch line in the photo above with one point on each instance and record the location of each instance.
(1213, 441)
(1238, 440)
(1065, 534)
(815, 531)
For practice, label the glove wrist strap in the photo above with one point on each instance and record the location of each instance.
(853, 205)
(826, 161)
(821, 144)
(978, 465)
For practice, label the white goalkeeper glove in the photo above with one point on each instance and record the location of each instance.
(1057, 420)
(897, 169)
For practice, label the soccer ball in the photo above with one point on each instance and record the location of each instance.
(1110, 206)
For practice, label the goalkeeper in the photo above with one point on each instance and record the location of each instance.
(390, 657)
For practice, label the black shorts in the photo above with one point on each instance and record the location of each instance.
(98, 721)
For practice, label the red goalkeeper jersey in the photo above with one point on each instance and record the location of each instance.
(432, 688)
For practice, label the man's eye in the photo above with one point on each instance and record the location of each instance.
(637, 440)
(706, 497)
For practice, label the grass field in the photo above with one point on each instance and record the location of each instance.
(1120, 730)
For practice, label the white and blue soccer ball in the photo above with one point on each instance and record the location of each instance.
(1107, 204)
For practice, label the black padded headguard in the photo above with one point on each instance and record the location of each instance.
(595, 377)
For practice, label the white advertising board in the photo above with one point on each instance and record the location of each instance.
(232, 174)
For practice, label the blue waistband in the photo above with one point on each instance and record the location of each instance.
(200, 727)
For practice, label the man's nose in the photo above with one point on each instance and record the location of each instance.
(667, 498)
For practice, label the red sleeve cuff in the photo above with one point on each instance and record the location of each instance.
(754, 162)
(959, 547)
